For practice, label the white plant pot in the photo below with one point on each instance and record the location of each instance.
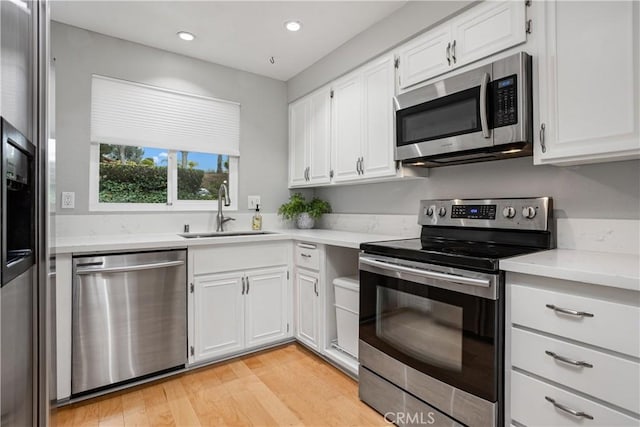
(304, 221)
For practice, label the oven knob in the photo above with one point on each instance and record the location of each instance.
(528, 212)
(509, 212)
(442, 211)
(428, 211)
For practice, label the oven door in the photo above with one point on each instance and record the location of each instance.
(447, 116)
(440, 321)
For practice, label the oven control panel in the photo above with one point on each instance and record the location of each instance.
(521, 214)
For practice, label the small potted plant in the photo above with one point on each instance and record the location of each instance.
(303, 212)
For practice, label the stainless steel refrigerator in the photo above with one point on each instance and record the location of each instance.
(26, 305)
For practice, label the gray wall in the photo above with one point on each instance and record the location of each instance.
(413, 18)
(263, 125)
(609, 190)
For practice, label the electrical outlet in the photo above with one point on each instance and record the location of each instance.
(253, 202)
(68, 200)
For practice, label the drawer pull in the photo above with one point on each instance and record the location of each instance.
(305, 255)
(569, 311)
(568, 410)
(569, 361)
(307, 246)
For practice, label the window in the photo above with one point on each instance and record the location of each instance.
(148, 178)
(157, 149)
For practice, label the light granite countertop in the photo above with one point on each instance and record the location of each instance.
(599, 268)
(88, 244)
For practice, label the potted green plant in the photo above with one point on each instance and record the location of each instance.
(303, 212)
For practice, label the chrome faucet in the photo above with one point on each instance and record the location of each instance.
(223, 192)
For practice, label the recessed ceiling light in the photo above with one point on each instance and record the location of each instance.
(293, 25)
(184, 35)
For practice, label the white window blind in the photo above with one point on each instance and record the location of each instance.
(127, 113)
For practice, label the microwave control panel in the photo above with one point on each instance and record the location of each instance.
(505, 101)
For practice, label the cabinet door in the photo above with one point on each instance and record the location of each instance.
(266, 306)
(378, 141)
(425, 56)
(298, 142)
(486, 29)
(346, 138)
(589, 83)
(320, 137)
(308, 307)
(219, 315)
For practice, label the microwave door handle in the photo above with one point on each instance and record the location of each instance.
(484, 122)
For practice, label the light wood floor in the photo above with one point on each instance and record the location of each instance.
(286, 386)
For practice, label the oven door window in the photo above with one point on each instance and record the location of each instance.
(451, 115)
(447, 335)
(427, 330)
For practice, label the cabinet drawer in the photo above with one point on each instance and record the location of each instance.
(610, 378)
(530, 407)
(612, 325)
(239, 257)
(307, 255)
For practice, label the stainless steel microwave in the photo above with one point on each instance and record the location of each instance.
(480, 115)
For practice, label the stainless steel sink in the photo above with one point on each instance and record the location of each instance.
(223, 234)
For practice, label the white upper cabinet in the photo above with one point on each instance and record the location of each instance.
(485, 29)
(490, 27)
(378, 142)
(362, 142)
(320, 137)
(425, 56)
(309, 139)
(346, 118)
(298, 139)
(589, 83)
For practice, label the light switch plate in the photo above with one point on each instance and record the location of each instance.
(253, 201)
(68, 200)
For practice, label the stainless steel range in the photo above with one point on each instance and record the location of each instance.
(432, 310)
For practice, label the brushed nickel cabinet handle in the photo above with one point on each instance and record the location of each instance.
(243, 286)
(453, 51)
(305, 255)
(543, 146)
(567, 409)
(315, 287)
(567, 360)
(449, 53)
(248, 286)
(569, 311)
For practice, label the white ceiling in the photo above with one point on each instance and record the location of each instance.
(238, 34)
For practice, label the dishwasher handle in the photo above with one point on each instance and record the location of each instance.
(127, 268)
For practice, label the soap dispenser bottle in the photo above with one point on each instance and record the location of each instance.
(256, 221)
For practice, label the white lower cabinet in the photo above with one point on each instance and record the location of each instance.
(537, 403)
(266, 306)
(572, 353)
(240, 310)
(219, 315)
(308, 308)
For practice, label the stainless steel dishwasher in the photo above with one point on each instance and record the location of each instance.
(129, 317)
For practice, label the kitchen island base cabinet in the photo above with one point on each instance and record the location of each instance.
(239, 311)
